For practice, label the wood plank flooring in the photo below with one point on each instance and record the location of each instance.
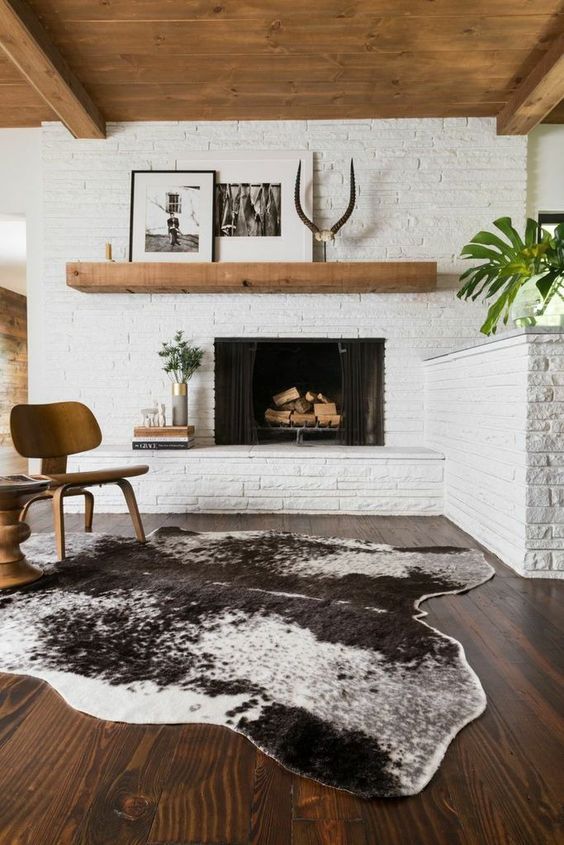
(69, 779)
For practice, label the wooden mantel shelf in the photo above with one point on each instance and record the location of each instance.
(255, 277)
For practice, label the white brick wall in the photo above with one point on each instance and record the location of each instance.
(425, 187)
(497, 412)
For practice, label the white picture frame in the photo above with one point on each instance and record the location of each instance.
(172, 214)
(263, 167)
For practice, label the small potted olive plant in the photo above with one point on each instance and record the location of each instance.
(180, 363)
(522, 278)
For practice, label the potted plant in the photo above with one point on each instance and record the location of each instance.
(180, 363)
(526, 276)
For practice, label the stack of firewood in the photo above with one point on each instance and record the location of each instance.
(291, 408)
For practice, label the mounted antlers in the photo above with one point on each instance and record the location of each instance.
(324, 235)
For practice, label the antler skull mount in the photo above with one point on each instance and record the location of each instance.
(324, 236)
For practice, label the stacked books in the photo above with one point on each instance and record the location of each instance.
(163, 437)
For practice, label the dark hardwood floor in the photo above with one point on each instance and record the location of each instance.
(68, 779)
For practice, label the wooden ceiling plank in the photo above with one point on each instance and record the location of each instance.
(28, 46)
(273, 59)
(539, 93)
(302, 35)
(20, 105)
(186, 10)
(372, 93)
(142, 69)
(291, 108)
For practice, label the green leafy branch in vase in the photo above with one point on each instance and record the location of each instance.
(180, 359)
(509, 264)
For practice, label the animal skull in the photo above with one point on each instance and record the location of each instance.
(324, 236)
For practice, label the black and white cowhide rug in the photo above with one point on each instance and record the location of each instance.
(313, 648)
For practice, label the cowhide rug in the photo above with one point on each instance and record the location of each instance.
(313, 648)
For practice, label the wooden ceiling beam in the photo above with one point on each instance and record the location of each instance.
(28, 46)
(539, 93)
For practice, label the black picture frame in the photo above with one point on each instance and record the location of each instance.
(134, 173)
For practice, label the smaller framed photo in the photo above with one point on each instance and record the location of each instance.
(172, 215)
(255, 214)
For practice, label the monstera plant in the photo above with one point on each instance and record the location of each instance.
(520, 277)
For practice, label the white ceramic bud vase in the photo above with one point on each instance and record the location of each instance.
(179, 403)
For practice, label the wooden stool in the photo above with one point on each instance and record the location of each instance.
(15, 570)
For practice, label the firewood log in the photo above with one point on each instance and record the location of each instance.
(310, 396)
(285, 396)
(277, 417)
(302, 405)
(321, 398)
(324, 408)
(303, 419)
(329, 420)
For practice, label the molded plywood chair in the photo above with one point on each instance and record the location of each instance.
(53, 432)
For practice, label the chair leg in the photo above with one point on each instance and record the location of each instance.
(26, 507)
(88, 510)
(59, 521)
(131, 502)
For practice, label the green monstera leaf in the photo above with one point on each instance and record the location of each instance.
(508, 263)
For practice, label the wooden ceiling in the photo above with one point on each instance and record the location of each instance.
(281, 59)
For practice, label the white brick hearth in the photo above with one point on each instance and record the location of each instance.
(307, 479)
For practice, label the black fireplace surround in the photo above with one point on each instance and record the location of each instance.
(249, 371)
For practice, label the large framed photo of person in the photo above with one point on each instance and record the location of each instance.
(172, 215)
(255, 213)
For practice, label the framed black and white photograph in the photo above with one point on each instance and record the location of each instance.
(255, 217)
(244, 210)
(172, 215)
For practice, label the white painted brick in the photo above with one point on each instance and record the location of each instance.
(538, 496)
(558, 561)
(222, 479)
(87, 202)
(313, 504)
(425, 187)
(510, 497)
(538, 560)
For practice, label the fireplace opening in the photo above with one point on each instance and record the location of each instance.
(278, 390)
(297, 390)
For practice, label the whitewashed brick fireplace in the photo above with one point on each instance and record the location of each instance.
(425, 187)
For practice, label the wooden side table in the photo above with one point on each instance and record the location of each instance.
(15, 570)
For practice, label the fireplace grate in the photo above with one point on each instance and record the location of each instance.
(301, 430)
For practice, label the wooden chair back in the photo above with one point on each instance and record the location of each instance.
(54, 431)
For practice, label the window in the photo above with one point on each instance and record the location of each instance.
(173, 203)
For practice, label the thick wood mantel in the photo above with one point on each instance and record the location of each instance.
(256, 277)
